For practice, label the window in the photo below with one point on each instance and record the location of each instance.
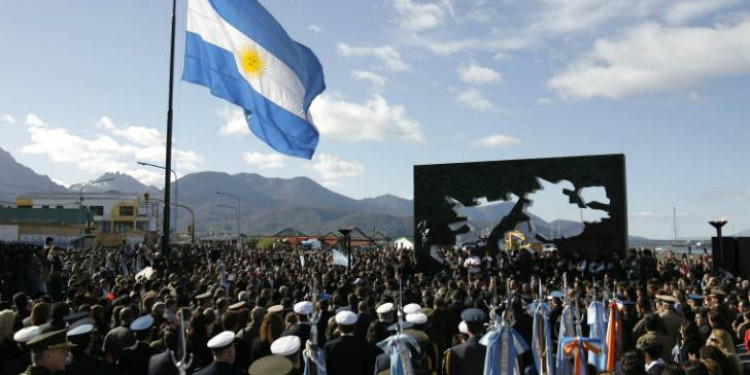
(59, 207)
(127, 211)
(97, 210)
(123, 227)
(45, 206)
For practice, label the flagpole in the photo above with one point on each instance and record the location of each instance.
(168, 164)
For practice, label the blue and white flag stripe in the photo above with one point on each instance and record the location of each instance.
(275, 96)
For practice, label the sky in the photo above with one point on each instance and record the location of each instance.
(83, 91)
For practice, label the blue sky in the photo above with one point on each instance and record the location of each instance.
(409, 82)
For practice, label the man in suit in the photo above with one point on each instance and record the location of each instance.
(81, 362)
(135, 358)
(348, 354)
(467, 358)
(301, 329)
(222, 347)
(161, 364)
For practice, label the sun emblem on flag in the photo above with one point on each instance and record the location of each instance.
(252, 61)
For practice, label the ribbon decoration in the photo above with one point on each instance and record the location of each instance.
(541, 342)
(312, 354)
(614, 336)
(597, 321)
(399, 353)
(570, 326)
(577, 348)
(504, 345)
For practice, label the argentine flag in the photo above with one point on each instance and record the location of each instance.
(243, 55)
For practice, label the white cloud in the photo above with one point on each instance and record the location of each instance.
(332, 170)
(115, 150)
(235, 123)
(387, 54)
(374, 119)
(498, 140)
(377, 81)
(473, 98)
(416, 17)
(7, 119)
(544, 101)
(651, 57)
(567, 16)
(478, 75)
(682, 12)
(317, 29)
(264, 161)
(452, 46)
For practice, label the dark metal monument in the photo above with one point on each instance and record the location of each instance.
(440, 188)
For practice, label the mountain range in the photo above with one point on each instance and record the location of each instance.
(269, 205)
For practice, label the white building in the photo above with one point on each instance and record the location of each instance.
(403, 243)
(110, 212)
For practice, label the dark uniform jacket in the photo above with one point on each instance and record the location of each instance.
(301, 330)
(85, 364)
(34, 370)
(161, 364)
(220, 368)
(466, 358)
(349, 355)
(134, 359)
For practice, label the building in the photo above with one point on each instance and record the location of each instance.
(35, 225)
(112, 217)
(403, 243)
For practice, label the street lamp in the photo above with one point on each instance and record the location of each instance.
(80, 206)
(237, 212)
(717, 224)
(239, 205)
(347, 246)
(175, 190)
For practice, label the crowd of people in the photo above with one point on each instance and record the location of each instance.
(214, 309)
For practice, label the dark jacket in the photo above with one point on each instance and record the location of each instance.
(348, 355)
(466, 358)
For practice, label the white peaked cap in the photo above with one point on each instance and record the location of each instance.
(385, 308)
(221, 340)
(303, 308)
(416, 318)
(346, 318)
(25, 335)
(286, 346)
(412, 308)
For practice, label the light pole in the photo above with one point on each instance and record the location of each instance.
(347, 246)
(237, 212)
(175, 190)
(80, 206)
(717, 224)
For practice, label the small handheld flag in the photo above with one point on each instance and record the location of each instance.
(243, 55)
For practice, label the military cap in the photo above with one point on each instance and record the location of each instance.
(412, 308)
(286, 345)
(237, 305)
(474, 315)
(385, 372)
(695, 297)
(49, 341)
(27, 334)
(346, 318)
(303, 308)
(385, 308)
(557, 294)
(203, 296)
(271, 365)
(665, 298)
(80, 330)
(221, 341)
(275, 309)
(72, 317)
(416, 318)
(143, 323)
